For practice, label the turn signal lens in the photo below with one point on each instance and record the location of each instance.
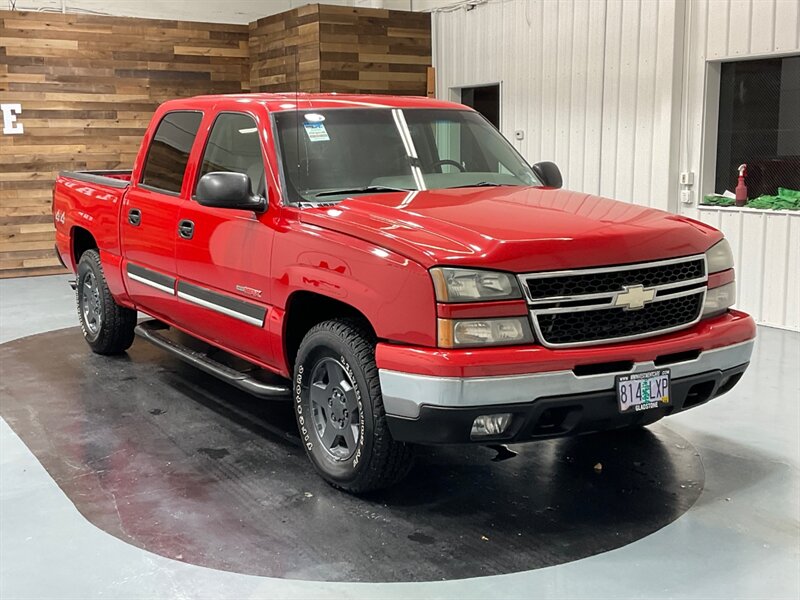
(484, 332)
(719, 299)
(719, 257)
(486, 425)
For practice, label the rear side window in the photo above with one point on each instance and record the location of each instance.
(234, 146)
(169, 151)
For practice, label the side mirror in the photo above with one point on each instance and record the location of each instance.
(228, 190)
(549, 174)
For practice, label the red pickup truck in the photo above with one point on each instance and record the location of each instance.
(395, 268)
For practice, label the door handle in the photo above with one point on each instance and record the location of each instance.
(186, 229)
(135, 217)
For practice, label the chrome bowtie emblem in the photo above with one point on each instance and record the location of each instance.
(634, 297)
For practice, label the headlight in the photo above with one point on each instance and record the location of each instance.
(465, 333)
(719, 299)
(471, 285)
(719, 257)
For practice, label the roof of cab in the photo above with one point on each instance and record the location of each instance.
(290, 100)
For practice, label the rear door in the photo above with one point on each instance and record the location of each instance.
(149, 227)
(223, 254)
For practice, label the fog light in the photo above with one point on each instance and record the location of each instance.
(490, 425)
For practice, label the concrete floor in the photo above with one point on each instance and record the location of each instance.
(741, 539)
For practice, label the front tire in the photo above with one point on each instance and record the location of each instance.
(107, 327)
(339, 409)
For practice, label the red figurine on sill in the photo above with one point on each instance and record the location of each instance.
(741, 188)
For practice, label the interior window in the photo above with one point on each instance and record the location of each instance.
(759, 125)
(234, 146)
(169, 151)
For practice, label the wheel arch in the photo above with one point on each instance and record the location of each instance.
(81, 240)
(306, 309)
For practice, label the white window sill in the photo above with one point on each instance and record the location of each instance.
(744, 209)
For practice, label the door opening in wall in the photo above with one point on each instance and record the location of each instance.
(485, 99)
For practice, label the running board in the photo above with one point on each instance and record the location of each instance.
(150, 331)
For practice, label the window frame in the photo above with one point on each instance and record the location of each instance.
(706, 163)
(153, 188)
(202, 155)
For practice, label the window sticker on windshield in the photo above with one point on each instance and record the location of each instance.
(316, 132)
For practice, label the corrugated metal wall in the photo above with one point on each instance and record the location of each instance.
(766, 248)
(615, 93)
(548, 58)
(766, 244)
(585, 81)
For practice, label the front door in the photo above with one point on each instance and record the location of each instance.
(223, 255)
(150, 215)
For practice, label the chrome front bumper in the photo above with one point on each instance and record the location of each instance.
(405, 393)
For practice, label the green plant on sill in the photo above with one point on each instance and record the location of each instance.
(786, 199)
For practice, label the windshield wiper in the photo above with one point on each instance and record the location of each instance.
(362, 190)
(479, 184)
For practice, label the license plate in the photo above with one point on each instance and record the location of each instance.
(643, 391)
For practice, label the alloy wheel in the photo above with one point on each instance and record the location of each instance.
(334, 406)
(91, 305)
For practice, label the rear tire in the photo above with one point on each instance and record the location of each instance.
(107, 327)
(339, 410)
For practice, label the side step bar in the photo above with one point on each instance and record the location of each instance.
(150, 331)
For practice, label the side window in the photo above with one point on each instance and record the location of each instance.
(169, 151)
(233, 146)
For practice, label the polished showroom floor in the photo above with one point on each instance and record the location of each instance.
(137, 477)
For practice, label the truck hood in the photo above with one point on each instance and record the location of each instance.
(514, 229)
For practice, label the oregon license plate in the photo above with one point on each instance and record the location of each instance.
(643, 391)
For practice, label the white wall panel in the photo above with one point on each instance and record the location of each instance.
(766, 247)
(586, 81)
(643, 62)
(616, 93)
(548, 58)
(767, 243)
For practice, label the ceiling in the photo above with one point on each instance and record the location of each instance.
(227, 11)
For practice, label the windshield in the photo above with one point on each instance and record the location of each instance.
(328, 155)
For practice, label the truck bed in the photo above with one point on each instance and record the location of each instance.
(115, 178)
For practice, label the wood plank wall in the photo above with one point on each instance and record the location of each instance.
(341, 49)
(374, 51)
(88, 86)
(283, 46)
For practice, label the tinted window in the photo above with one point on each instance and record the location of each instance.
(759, 125)
(233, 146)
(169, 151)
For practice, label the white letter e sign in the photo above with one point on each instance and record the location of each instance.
(10, 113)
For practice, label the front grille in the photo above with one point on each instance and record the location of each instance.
(596, 281)
(601, 305)
(605, 324)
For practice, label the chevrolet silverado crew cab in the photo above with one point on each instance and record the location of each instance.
(396, 269)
